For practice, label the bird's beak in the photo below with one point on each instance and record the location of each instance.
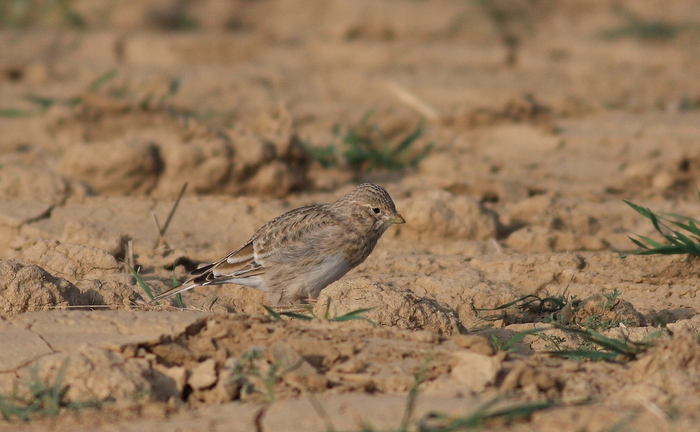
(396, 219)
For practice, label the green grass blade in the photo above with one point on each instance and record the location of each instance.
(484, 414)
(663, 250)
(407, 142)
(513, 303)
(272, 313)
(413, 395)
(682, 225)
(367, 116)
(296, 316)
(355, 315)
(102, 80)
(586, 355)
(685, 242)
(615, 347)
(178, 296)
(638, 243)
(681, 217)
(694, 228)
(519, 337)
(649, 241)
(13, 112)
(679, 240)
(327, 311)
(44, 103)
(140, 281)
(520, 411)
(639, 209)
(422, 155)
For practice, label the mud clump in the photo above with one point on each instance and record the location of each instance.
(388, 305)
(97, 274)
(444, 215)
(113, 168)
(601, 312)
(27, 287)
(266, 158)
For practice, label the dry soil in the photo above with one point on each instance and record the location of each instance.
(539, 118)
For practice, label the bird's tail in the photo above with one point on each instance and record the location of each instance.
(172, 291)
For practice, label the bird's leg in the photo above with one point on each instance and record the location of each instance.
(311, 301)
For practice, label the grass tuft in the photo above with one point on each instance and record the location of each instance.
(438, 422)
(140, 281)
(367, 147)
(13, 112)
(247, 373)
(680, 243)
(149, 293)
(27, 13)
(45, 398)
(178, 296)
(413, 392)
(527, 308)
(102, 80)
(350, 316)
(648, 30)
(480, 417)
(509, 345)
(605, 348)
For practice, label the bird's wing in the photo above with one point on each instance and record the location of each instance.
(292, 230)
(271, 243)
(239, 263)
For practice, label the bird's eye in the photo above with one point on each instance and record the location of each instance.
(376, 210)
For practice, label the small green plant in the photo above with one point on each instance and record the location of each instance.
(174, 18)
(438, 422)
(480, 417)
(140, 281)
(178, 296)
(146, 289)
(367, 147)
(44, 399)
(246, 371)
(680, 243)
(13, 112)
(649, 30)
(101, 80)
(528, 308)
(598, 347)
(26, 13)
(413, 392)
(552, 342)
(610, 299)
(509, 345)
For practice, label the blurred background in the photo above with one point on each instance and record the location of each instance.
(268, 97)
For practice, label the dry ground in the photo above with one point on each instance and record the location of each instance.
(539, 118)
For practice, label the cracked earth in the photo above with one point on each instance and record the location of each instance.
(533, 145)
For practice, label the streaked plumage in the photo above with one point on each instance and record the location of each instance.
(295, 255)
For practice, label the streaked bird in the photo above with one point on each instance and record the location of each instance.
(295, 255)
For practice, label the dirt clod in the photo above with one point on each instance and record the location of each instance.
(27, 287)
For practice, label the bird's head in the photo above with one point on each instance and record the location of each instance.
(371, 204)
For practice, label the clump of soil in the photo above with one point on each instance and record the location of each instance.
(523, 126)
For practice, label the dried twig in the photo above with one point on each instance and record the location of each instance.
(129, 253)
(412, 100)
(164, 228)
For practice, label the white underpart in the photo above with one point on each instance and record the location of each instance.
(250, 281)
(330, 270)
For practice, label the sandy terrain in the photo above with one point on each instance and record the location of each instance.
(539, 118)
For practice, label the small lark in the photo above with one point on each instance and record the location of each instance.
(295, 255)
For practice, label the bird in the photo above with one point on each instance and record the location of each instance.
(297, 254)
